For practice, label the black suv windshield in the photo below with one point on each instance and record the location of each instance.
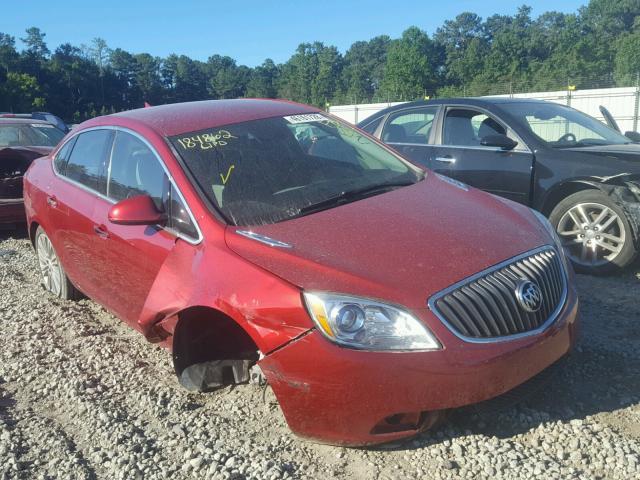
(563, 127)
(269, 170)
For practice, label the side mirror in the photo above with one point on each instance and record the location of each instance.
(500, 141)
(633, 136)
(139, 210)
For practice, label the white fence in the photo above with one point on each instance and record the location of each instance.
(623, 103)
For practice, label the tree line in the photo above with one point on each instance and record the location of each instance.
(599, 45)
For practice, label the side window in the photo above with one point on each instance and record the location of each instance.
(62, 157)
(410, 126)
(87, 161)
(371, 127)
(135, 170)
(179, 219)
(463, 127)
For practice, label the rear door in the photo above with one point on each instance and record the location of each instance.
(71, 197)
(410, 132)
(459, 154)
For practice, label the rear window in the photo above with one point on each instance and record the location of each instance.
(269, 170)
(30, 135)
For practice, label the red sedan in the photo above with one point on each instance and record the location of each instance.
(267, 239)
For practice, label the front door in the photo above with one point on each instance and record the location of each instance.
(131, 255)
(461, 156)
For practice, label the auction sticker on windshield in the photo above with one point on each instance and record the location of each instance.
(307, 117)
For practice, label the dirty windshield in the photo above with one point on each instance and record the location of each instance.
(270, 170)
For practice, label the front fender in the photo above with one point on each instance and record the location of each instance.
(269, 309)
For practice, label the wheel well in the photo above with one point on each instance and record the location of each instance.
(563, 192)
(208, 337)
(32, 232)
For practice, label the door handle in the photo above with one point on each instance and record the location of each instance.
(52, 201)
(446, 159)
(101, 231)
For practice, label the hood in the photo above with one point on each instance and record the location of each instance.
(401, 246)
(629, 152)
(26, 151)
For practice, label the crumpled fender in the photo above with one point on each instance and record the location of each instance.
(624, 190)
(269, 309)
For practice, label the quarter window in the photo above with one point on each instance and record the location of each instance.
(135, 170)
(60, 162)
(87, 161)
(370, 128)
(410, 126)
(179, 218)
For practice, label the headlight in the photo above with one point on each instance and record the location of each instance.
(366, 324)
(554, 235)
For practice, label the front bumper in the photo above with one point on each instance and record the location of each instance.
(343, 396)
(12, 211)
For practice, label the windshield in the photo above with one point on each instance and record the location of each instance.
(265, 171)
(563, 127)
(30, 135)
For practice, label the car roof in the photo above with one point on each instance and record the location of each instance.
(471, 101)
(17, 120)
(177, 118)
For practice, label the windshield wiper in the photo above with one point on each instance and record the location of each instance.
(349, 196)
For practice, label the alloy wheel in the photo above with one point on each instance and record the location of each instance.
(49, 265)
(592, 234)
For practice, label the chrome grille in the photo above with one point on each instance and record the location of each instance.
(485, 307)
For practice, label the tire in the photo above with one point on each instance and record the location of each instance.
(53, 277)
(595, 232)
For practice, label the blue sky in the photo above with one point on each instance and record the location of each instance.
(247, 30)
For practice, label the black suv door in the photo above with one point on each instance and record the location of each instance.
(460, 155)
(410, 132)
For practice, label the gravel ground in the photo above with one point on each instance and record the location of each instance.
(82, 396)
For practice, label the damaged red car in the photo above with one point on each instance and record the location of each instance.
(267, 239)
(21, 141)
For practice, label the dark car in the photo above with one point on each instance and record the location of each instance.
(581, 174)
(21, 141)
(44, 116)
(223, 230)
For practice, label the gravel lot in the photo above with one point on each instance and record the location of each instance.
(83, 396)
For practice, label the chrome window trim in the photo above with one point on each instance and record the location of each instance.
(186, 238)
(272, 242)
(431, 303)
(485, 149)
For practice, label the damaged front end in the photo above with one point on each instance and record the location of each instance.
(14, 162)
(624, 190)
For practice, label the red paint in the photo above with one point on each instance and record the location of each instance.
(345, 393)
(138, 210)
(401, 247)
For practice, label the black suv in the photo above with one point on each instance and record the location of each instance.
(581, 174)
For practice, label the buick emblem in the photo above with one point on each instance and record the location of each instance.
(529, 296)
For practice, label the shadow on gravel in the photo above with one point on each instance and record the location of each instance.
(18, 232)
(601, 375)
(6, 402)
